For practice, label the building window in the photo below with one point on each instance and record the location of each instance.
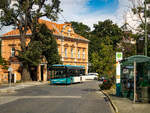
(71, 52)
(12, 52)
(65, 52)
(78, 53)
(83, 53)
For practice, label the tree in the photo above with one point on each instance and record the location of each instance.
(47, 44)
(3, 62)
(24, 16)
(103, 60)
(128, 44)
(43, 44)
(103, 44)
(139, 9)
(108, 29)
(99, 34)
(81, 29)
(3, 3)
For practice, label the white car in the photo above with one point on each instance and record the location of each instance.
(92, 76)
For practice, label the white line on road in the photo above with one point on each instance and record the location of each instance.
(50, 97)
(7, 99)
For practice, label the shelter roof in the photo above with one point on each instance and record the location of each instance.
(136, 58)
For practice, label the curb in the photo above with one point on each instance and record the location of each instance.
(112, 104)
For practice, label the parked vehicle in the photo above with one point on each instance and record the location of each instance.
(92, 76)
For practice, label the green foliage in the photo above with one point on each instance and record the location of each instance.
(3, 62)
(24, 16)
(42, 44)
(81, 29)
(3, 3)
(102, 47)
(48, 44)
(32, 55)
(106, 85)
(103, 60)
(108, 29)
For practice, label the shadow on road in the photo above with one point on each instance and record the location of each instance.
(90, 90)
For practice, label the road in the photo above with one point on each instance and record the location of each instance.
(76, 98)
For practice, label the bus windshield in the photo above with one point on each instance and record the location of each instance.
(58, 73)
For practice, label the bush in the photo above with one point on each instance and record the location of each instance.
(106, 84)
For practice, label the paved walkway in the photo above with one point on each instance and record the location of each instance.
(125, 105)
(6, 88)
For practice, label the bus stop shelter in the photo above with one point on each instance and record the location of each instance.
(135, 78)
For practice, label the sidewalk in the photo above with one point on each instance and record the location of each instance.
(6, 88)
(125, 105)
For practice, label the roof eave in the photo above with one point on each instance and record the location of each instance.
(7, 36)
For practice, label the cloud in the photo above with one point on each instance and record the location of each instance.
(77, 10)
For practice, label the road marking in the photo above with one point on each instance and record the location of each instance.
(50, 97)
(7, 99)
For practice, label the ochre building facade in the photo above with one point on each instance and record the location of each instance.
(72, 48)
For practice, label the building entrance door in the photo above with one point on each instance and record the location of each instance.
(42, 74)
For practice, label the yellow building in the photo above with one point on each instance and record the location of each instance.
(72, 47)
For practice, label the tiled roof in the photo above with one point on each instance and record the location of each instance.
(58, 29)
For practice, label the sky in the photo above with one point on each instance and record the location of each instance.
(90, 12)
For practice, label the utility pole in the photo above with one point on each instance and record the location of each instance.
(145, 15)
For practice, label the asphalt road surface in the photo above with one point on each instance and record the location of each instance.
(77, 98)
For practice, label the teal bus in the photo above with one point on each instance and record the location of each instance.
(66, 74)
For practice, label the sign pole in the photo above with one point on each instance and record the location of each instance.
(134, 82)
(119, 57)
